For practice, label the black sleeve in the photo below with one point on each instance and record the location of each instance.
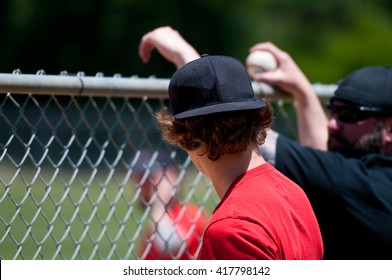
(345, 192)
(308, 167)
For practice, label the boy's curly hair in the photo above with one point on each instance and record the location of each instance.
(216, 134)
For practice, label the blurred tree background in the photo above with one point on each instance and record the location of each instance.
(328, 39)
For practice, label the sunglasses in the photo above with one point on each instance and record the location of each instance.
(346, 115)
(349, 113)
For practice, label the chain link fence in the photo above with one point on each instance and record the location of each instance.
(70, 146)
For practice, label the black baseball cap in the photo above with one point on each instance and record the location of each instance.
(368, 89)
(211, 84)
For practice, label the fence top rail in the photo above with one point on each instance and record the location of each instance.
(79, 85)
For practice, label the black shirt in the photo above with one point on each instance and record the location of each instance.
(351, 197)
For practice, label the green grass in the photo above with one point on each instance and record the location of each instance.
(91, 215)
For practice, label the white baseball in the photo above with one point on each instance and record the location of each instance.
(260, 61)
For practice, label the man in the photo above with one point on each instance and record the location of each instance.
(217, 119)
(349, 186)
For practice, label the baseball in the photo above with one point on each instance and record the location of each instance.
(260, 61)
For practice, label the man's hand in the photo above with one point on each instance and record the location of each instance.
(170, 44)
(288, 77)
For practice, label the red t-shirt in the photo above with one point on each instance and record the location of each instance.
(190, 223)
(263, 215)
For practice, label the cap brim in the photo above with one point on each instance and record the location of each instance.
(222, 107)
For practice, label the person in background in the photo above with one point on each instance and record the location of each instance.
(175, 229)
(217, 119)
(344, 164)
